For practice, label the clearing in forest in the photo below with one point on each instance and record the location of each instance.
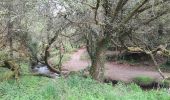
(113, 70)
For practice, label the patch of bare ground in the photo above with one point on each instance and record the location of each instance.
(113, 70)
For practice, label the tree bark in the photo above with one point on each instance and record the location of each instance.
(10, 26)
(157, 66)
(46, 61)
(98, 61)
(15, 68)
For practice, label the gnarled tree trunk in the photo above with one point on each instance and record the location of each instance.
(98, 61)
(15, 68)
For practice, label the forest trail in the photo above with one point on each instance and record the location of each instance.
(75, 64)
(113, 70)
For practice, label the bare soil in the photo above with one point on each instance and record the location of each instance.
(75, 64)
(113, 70)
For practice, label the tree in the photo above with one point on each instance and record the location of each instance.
(54, 25)
(109, 20)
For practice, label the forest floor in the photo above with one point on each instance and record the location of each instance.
(113, 70)
(75, 87)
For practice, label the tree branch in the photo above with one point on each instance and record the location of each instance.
(150, 6)
(96, 9)
(51, 41)
(119, 6)
(135, 10)
(156, 17)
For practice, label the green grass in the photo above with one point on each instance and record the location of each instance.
(74, 88)
(165, 83)
(69, 48)
(143, 80)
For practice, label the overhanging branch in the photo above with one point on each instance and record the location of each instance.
(135, 10)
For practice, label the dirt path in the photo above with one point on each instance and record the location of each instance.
(75, 64)
(113, 70)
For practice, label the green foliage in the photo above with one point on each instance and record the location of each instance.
(165, 83)
(168, 62)
(143, 80)
(33, 47)
(5, 74)
(73, 88)
(3, 55)
(25, 68)
(66, 56)
(166, 65)
(56, 59)
(69, 48)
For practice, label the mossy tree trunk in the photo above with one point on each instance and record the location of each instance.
(98, 61)
(15, 68)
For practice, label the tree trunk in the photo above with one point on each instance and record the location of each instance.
(157, 66)
(15, 68)
(98, 61)
(47, 63)
(10, 26)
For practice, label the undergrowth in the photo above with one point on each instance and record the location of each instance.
(74, 88)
